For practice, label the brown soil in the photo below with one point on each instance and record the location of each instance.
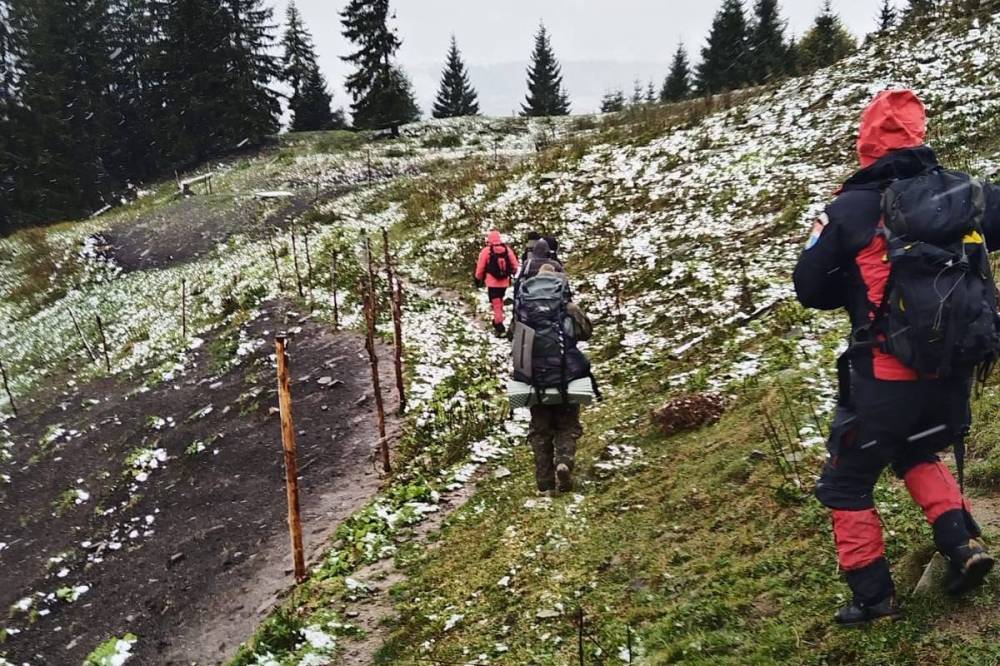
(216, 558)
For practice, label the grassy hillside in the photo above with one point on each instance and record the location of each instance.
(680, 225)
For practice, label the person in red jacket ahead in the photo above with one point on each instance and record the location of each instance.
(496, 266)
(889, 414)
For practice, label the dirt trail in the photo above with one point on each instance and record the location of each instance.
(186, 548)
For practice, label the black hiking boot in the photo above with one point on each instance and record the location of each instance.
(857, 614)
(564, 478)
(968, 566)
(499, 329)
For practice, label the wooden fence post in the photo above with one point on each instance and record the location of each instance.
(579, 621)
(291, 460)
(396, 298)
(295, 262)
(6, 387)
(104, 343)
(274, 256)
(333, 287)
(368, 297)
(184, 321)
(83, 338)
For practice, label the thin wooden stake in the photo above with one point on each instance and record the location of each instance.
(274, 256)
(333, 288)
(83, 338)
(295, 262)
(184, 321)
(368, 296)
(309, 263)
(619, 318)
(104, 343)
(6, 387)
(396, 298)
(369, 165)
(291, 460)
(628, 630)
(579, 621)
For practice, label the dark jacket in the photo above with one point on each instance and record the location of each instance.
(845, 265)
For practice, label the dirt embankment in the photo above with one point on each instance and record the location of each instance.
(169, 504)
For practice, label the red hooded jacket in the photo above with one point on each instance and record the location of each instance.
(494, 243)
(845, 262)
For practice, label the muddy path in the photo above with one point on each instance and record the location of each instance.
(162, 510)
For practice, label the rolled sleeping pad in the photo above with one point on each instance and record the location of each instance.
(579, 392)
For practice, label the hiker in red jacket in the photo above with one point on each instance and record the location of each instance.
(496, 266)
(903, 249)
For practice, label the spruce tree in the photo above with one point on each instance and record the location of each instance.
(132, 34)
(768, 49)
(637, 93)
(725, 57)
(254, 107)
(456, 97)
(651, 95)
(382, 94)
(677, 87)
(827, 42)
(64, 62)
(7, 112)
(546, 95)
(887, 17)
(192, 81)
(310, 106)
(310, 101)
(613, 101)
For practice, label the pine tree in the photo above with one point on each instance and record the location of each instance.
(382, 94)
(651, 95)
(546, 95)
(725, 57)
(677, 87)
(311, 100)
(310, 106)
(827, 42)
(793, 65)
(191, 80)
(254, 107)
(7, 112)
(64, 63)
(456, 97)
(131, 36)
(613, 101)
(887, 17)
(637, 93)
(768, 50)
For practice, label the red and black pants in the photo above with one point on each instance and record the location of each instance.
(903, 425)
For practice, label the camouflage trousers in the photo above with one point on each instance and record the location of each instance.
(553, 434)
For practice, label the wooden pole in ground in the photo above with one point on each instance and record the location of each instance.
(291, 460)
(333, 287)
(104, 343)
(579, 620)
(619, 319)
(274, 256)
(295, 262)
(369, 165)
(6, 387)
(79, 331)
(396, 298)
(309, 270)
(368, 297)
(184, 321)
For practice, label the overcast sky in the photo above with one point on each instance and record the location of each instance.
(601, 43)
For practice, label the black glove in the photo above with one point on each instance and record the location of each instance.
(479, 284)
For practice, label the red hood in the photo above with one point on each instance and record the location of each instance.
(895, 120)
(493, 238)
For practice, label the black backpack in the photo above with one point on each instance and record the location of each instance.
(555, 359)
(939, 312)
(499, 265)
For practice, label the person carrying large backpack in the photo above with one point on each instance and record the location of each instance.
(496, 266)
(904, 249)
(550, 366)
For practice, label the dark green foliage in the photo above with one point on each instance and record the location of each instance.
(827, 42)
(769, 49)
(725, 58)
(677, 87)
(637, 93)
(613, 102)
(131, 35)
(456, 97)
(918, 10)
(651, 95)
(887, 17)
(310, 101)
(382, 94)
(8, 107)
(254, 107)
(546, 95)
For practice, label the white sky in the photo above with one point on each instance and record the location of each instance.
(641, 33)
